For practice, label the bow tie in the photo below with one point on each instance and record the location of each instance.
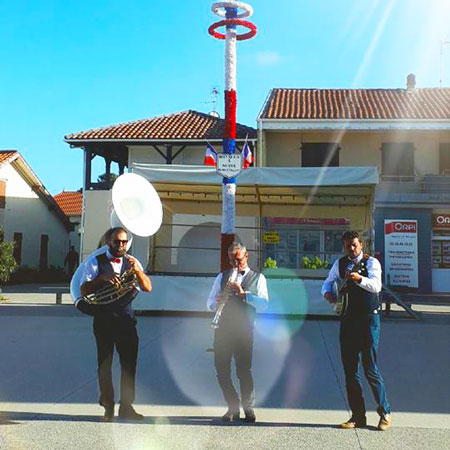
(242, 272)
(115, 260)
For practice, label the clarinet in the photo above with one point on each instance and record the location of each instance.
(226, 294)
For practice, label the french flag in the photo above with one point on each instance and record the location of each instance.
(210, 157)
(247, 156)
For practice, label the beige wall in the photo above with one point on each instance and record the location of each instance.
(358, 148)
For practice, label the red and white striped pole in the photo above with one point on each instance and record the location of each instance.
(233, 13)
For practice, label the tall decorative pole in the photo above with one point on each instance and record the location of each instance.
(233, 13)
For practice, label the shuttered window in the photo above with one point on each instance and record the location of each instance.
(397, 159)
(320, 154)
(444, 159)
(43, 256)
(18, 248)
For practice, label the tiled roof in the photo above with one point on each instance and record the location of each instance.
(358, 104)
(186, 125)
(70, 202)
(8, 155)
(17, 161)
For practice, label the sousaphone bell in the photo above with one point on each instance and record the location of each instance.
(136, 207)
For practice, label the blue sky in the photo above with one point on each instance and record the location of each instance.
(70, 66)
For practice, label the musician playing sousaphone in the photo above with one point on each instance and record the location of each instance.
(236, 295)
(114, 321)
(360, 328)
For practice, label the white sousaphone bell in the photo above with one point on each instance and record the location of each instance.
(136, 207)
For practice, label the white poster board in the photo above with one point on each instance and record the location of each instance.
(401, 255)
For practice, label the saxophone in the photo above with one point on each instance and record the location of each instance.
(226, 294)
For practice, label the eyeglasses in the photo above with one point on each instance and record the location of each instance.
(239, 260)
(120, 241)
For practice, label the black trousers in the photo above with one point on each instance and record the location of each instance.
(235, 341)
(120, 333)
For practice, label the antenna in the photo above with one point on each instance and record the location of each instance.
(214, 93)
(442, 44)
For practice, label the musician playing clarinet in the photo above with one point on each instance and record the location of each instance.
(114, 324)
(360, 328)
(244, 292)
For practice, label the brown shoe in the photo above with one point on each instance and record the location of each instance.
(352, 423)
(385, 422)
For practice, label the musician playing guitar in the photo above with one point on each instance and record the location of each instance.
(360, 328)
(114, 324)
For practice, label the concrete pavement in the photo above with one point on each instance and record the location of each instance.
(48, 385)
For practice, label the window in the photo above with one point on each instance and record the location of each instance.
(43, 255)
(18, 248)
(320, 154)
(444, 159)
(397, 160)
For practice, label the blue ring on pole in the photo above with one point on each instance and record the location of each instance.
(231, 13)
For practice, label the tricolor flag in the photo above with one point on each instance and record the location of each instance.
(210, 157)
(247, 156)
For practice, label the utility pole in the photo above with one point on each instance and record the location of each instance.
(232, 18)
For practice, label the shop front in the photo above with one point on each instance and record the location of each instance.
(440, 247)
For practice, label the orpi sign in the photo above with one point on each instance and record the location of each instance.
(229, 166)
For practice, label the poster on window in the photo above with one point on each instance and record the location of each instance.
(400, 249)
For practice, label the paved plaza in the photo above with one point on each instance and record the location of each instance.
(48, 385)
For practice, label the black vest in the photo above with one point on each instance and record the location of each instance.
(360, 301)
(119, 308)
(237, 312)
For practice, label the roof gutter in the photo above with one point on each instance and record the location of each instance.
(345, 124)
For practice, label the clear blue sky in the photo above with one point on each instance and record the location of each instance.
(73, 65)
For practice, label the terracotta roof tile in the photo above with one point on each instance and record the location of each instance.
(358, 104)
(7, 155)
(186, 125)
(70, 202)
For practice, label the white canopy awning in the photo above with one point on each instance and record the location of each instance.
(261, 176)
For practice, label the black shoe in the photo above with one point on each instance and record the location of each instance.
(249, 416)
(109, 414)
(128, 412)
(231, 416)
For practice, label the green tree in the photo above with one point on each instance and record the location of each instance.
(7, 262)
(103, 178)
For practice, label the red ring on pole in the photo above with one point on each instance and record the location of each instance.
(225, 22)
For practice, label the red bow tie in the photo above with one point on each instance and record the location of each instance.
(115, 260)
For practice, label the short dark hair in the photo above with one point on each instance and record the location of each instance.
(350, 235)
(112, 231)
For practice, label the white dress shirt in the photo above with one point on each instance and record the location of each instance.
(371, 283)
(90, 271)
(259, 300)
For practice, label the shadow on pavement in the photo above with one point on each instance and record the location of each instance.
(14, 418)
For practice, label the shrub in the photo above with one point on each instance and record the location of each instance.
(26, 274)
(7, 262)
(315, 263)
(270, 263)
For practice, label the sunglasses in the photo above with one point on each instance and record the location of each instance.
(239, 260)
(120, 241)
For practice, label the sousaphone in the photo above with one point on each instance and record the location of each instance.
(136, 207)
